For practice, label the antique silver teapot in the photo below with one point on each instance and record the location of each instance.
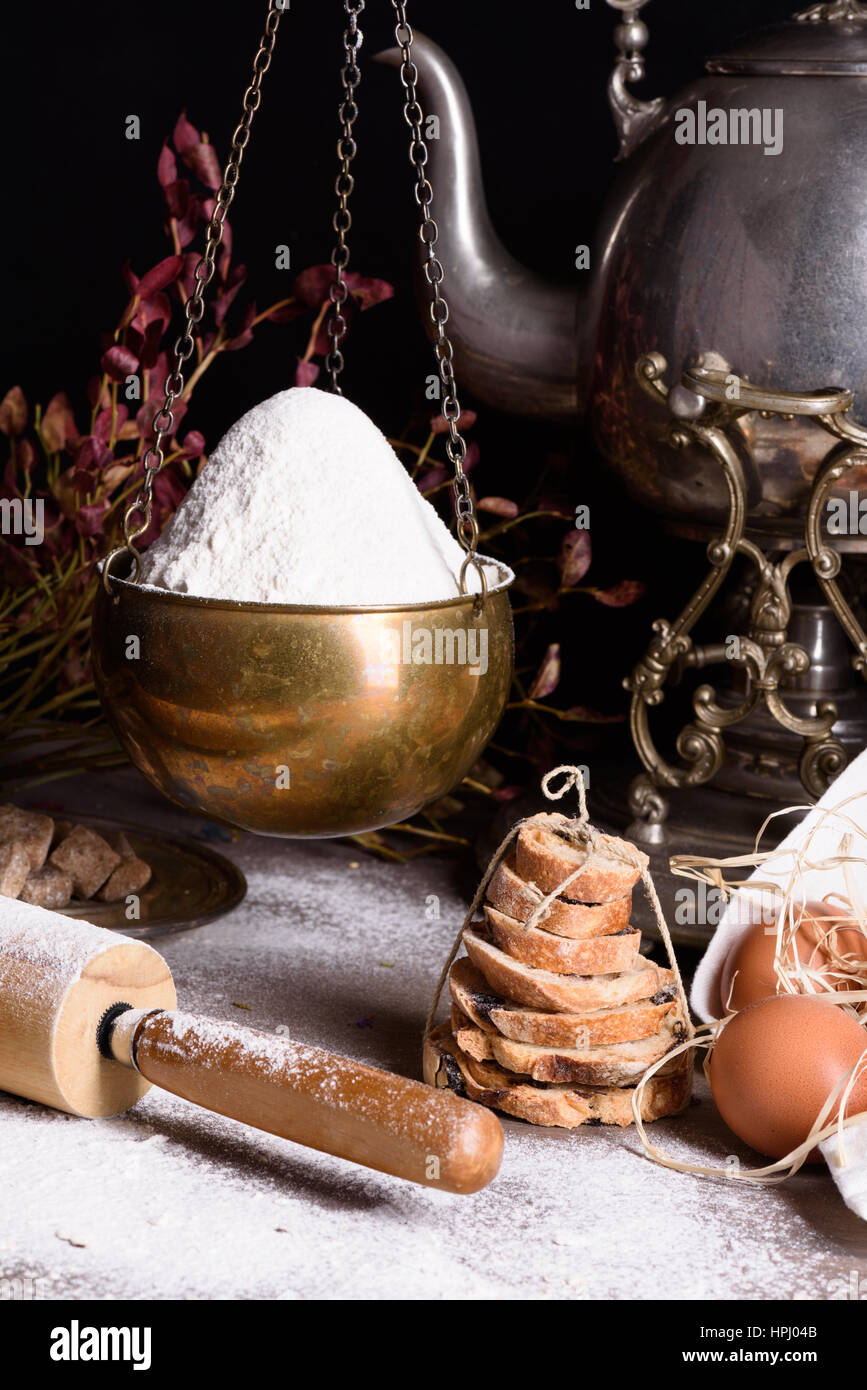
(735, 238)
(718, 345)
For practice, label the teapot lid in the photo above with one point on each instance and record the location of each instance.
(826, 40)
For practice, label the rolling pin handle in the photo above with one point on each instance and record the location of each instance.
(118, 1032)
(316, 1098)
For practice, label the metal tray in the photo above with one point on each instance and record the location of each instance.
(191, 884)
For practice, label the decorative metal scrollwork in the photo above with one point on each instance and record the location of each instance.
(703, 408)
(634, 118)
(833, 11)
(826, 561)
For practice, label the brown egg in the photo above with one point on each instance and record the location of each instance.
(748, 973)
(776, 1064)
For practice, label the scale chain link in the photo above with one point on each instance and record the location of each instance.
(163, 423)
(344, 184)
(456, 448)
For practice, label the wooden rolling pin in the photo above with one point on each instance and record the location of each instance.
(88, 1021)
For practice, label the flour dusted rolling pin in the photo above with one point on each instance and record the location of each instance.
(87, 1021)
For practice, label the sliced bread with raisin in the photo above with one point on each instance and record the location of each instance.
(546, 857)
(508, 893)
(593, 1028)
(599, 955)
(542, 989)
(617, 1064)
(564, 1106)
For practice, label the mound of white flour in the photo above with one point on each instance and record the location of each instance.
(305, 501)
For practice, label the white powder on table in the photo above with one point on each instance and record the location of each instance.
(304, 501)
(59, 946)
(171, 1202)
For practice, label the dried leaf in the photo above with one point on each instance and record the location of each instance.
(119, 363)
(187, 226)
(306, 373)
(439, 425)
(25, 457)
(620, 595)
(431, 478)
(155, 309)
(223, 301)
(169, 493)
(116, 474)
(245, 333)
(149, 351)
(187, 277)
(102, 425)
(225, 256)
(534, 580)
(193, 445)
(558, 505)
(508, 793)
(9, 487)
(13, 412)
(576, 554)
(65, 492)
(202, 159)
(91, 456)
(284, 313)
(58, 424)
(582, 714)
(185, 136)
(311, 285)
(89, 518)
(145, 416)
(548, 676)
(98, 393)
(368, 291)
(500, 506)
(167, 168)
(177, 196)
(160, 275)
(129, 276)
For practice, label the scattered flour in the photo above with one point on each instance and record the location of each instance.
(58, 946)
(169, 1201)
(304, 501)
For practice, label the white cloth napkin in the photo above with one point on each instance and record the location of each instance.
(815, 884)
(851, 1175)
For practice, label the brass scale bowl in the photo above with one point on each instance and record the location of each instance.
(287, 720)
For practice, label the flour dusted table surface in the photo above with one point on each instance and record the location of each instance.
(171, 1202)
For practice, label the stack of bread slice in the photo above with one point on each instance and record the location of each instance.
(557, 1022)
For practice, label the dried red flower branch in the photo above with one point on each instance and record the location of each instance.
(84, 467)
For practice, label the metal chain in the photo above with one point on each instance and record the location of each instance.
(468, 527)
(344, 183)
(163, 423)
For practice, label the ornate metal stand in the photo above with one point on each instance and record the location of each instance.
(705, 408)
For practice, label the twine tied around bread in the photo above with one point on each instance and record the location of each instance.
(580, 833)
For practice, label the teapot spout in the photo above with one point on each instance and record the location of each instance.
(515, 334)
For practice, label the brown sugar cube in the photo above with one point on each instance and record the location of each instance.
(87, 858)
(130, 876)
(47, 887)
(14, 868)
(30, 829)
(120, 843)
(62, 828)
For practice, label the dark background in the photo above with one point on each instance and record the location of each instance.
(80, 200)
